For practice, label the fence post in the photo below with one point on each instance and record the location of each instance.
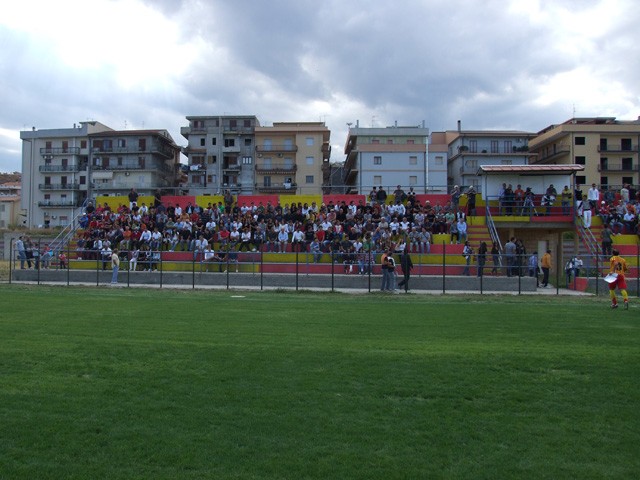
(444, 264)
(261, 269)
(10, 259)
(332, 269)
(297, 269)
(161, 266)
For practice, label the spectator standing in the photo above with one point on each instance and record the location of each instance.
(467, 252)
(495, 257)
(406, 265)
(471, 201)
(455, 198)
(577, 196)
(593, 196)
(22, 256)
(133, 198)
(546, 268)
(534, 268)
(381, 196)
(115, 266)
(565, 200)
(481, 258)
(510, 254)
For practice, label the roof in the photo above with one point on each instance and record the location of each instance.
(531, 169)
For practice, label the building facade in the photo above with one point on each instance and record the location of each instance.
(61, 168)
(608, 149)
(220, 153)
(437, 163)
(292, 157)
(470, 149)
(386, 157)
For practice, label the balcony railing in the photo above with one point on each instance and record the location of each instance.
(154, 148)
(60, 151)
(58, 168)
(275, 169)
(276, 148)
(277, 188)
(57, 203)
(618, 167)
(557, 152)
(59, 186)
(618, 148)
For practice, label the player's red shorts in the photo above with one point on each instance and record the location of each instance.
(619, 283)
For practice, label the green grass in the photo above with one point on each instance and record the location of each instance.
(135, 383)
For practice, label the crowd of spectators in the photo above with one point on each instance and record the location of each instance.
(351, 232)
(347, 230)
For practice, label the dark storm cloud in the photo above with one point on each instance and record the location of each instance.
(495, 64)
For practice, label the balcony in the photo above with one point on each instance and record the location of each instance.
(558, 151)
(618, 167)
(276, 169)
(232, 167)
(58, 186)
(618, 148)
(153, 149)
(276, 148)
(60, 151)
(57, 204)
(58, 168)
(291, 189)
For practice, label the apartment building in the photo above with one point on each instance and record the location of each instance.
(470, 149)
(220, 153)
(437, 171)
(608, 149)
(292, 157)
(63, 167)
(387, 157)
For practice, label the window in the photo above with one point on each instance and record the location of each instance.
(507, 146)
(411, 141)
(233, 124)
(494, 146)
(377, 160)
(198, 124)
(308, 179)
(247, 160)
(473, 146)
(229, 142)
(266, 181)
(211, 159)
(581, 160)
(581, 179)
(413, 160)
(603, 144)
(377, 179)
(390, 141)
(627, 164)
(247, 142)
(122, 143)
(604, 163)
(202, 142)
(626, 144)
(309, 141)
(309, 160)
(580, 141)
(83, 144)
(83, 180)
(375, 141)
(439, 160)
(604, 182)
(65, 146)
(247, 123)
(214, 140)
(195, 179)
(628, 180)
(413, 180)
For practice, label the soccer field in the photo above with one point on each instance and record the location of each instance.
(165, 384)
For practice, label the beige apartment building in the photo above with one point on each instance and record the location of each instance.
(608, 149)
(292, 158)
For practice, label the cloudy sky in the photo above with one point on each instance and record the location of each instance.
(511, 64)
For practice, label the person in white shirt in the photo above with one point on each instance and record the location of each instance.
(462, 230)
(283, 238)
(297, 240)
(593, 196)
